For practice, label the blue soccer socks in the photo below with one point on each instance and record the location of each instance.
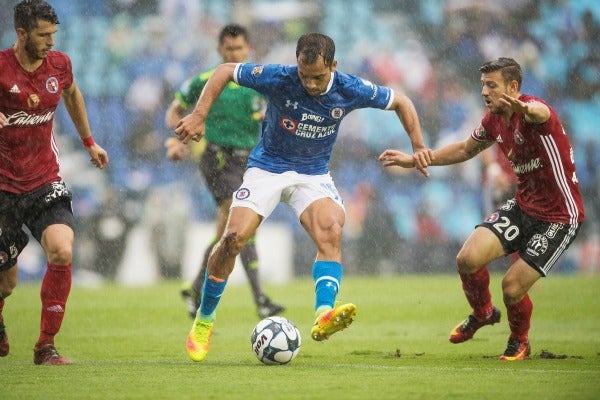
(327, 276)
(211, 295)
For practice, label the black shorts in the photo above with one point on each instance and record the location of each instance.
(539, 243)
(48, 205)
(223, 169)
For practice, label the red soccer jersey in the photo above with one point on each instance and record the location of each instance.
(542, 158)
(28, 151)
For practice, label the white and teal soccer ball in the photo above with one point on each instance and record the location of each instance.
(275, 341)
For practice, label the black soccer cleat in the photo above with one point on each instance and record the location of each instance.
(466, 329)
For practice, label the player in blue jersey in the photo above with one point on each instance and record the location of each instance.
(290, 164)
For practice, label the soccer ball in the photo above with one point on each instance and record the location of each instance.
(275, 341)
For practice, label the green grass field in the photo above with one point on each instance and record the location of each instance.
(129, 343)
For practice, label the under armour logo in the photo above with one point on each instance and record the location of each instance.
(289, 103)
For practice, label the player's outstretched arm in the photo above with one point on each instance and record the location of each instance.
(453, 153)
(191, 127)
(534, 111)
(458, 152)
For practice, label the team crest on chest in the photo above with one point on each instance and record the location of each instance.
(336, 112)
(52, 85)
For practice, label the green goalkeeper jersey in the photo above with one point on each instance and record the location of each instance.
(235, 117)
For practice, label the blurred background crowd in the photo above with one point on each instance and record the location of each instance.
(129, 56)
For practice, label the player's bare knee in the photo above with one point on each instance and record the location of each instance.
(512, 292)
(330, 236)
(60, 255)
(336, 229)
(5, 292)
(465, 262)
(6, 286)
(512, 297)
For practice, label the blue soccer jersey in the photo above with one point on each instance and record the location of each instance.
(299, 130)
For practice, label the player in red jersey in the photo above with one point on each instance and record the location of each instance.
(540, 222)
(32, 193)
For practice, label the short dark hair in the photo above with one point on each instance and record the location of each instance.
(28, 12)
(509, 68)
(233, 30)
(313, 45)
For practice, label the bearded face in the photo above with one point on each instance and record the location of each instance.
(39, 40)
